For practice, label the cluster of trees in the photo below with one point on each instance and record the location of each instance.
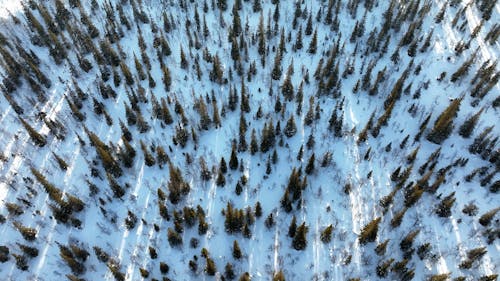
(73, 40)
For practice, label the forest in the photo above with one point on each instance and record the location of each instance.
(249, 140)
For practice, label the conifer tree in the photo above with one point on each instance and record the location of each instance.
(149, 160)
(314, 42)
(468, 126)
(486, 218)
(299, 242)
(292, 229)
(276, 72)
(290, 128)
(233, 160)
(37, 138)
(236, 250)
(310, 165)
(229, 271)
(444, 124)
(326, 234)
(444, 207)
(298, 42)
(369, 232)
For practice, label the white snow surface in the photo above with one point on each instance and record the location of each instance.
(325, 202)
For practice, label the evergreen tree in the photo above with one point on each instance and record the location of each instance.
(298, 42)
(314, 42)
(233, 160)
(326, 234)
(369, 232)
(236, 250)
(299, 242)
(292, 229)
(310, 165)
(486, 218)
(468, 126)
(290, 128)
(444, 207)
(37, 138)
(444, 124)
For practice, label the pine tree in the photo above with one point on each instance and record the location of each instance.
(292, 229)
(444, 207)
(37, 138)
(407, 242)
(279, 276)
(290, 128)
(229, 271)
(262, 39)
(486, 218)
(467, 128)
(298, 42)
(310, 165)
(398, 218)
(167, 79)
(233, 160)
(299, 242)
(258, 209)
(314, 42)
(217, 72)
(326, 234)
(287, 88)
(236, 250)
(444, 124)
(276, 72)
(369, 232)
(149, 159)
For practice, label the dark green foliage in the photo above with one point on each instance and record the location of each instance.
(21, 262)
(4, 254)
(444, 124)
(279, 276)
(229, 271)
(233, 160)
(310, 165)
(369, 232)
(28, 233)
(236, 250)
(290, 127)
(177, 187)
(29, 251)
(381, 248)
(174, 238)
(468, 126)
(326, 234)
(164, 268)
(299, 241)
(486, 218)
(472, 256)
(406, 244)
(314, 42)
(383, 267)
(444, 207)
(37, 138)
(101, 255)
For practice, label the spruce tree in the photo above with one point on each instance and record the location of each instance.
(299, 242)
(314, 42)
(369, 232)
(290, 128)
(444, 124)
(233, 160)
(468, 126)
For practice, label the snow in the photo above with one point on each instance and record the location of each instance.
(269, 250)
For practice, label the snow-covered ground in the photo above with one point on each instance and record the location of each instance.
(366, 167)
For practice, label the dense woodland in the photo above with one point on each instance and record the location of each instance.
(250, 140)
